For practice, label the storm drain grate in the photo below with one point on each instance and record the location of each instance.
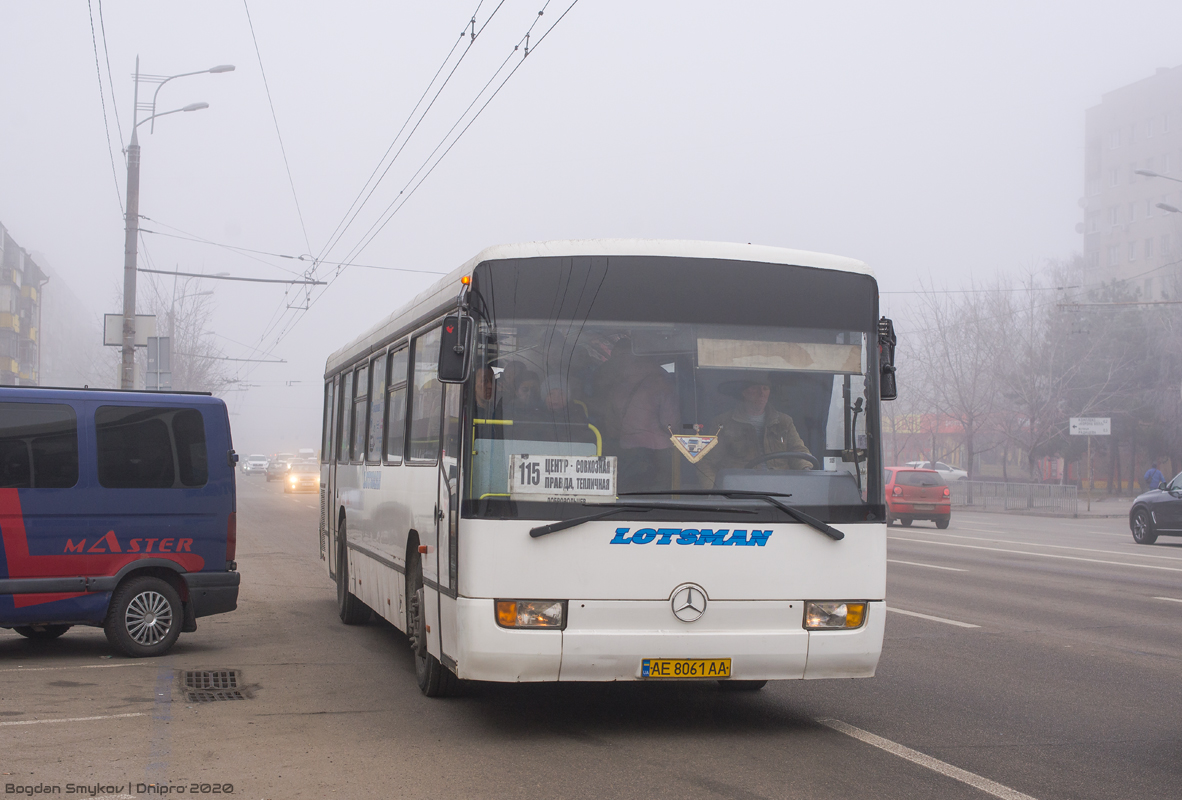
(200, 696)
(208, 686)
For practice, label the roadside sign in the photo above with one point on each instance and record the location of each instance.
(1091, 426)
(145, 326)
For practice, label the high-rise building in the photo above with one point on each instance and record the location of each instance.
(20, 314)
(1126, 235)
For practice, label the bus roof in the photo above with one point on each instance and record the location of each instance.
(444, 292)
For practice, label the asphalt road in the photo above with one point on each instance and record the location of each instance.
(1066, 688)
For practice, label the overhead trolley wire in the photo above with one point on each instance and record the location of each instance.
(102, 99)
(339, 231)
(275, 119)
(392, 209)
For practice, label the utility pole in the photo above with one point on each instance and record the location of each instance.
(130, 249)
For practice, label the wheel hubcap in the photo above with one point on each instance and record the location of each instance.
(148, 618)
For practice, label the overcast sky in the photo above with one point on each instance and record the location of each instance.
(936, 141)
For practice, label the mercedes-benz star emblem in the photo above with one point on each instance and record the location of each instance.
(689, 602)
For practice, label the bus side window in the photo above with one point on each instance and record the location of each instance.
(344, 406)
(360, 413)
(326, 432)
(396, 405)
(426, 399)
(377, 399)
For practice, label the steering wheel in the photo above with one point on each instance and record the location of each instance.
(755, 462)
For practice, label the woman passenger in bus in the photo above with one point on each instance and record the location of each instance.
(525, 399)
(751, 429)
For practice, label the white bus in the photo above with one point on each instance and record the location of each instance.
(627, 460)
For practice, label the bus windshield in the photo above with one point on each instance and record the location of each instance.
(735, 378)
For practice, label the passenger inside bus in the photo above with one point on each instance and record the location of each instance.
(488, 405)
(750, 429)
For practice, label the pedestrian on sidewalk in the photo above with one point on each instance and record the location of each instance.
(1153, 477)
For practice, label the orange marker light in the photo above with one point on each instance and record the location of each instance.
(507, 613)
(466, 280)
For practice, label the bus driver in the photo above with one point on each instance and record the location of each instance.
(751, 429)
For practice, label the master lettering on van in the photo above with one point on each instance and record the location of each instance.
(110, 544)
(696, 536)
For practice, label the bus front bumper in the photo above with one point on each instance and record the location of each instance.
(607, 640)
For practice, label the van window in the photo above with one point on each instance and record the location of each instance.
(38, 446)
(360, 413)
(344, 407)
(150, 448)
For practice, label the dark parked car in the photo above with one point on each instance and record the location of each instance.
(913, 494)
(279, 466)
(1157, 512)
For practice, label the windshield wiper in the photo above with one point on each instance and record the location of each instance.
(768, 497)
(610, 509)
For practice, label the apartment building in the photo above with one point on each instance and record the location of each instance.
(21, 281)
(1135, 129)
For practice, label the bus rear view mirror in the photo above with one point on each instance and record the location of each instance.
(887, 387)
(455, 349)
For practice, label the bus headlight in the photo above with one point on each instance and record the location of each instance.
(833, 616)
(531, 613)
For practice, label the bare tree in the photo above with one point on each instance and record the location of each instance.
(183, 309)
(956, 354)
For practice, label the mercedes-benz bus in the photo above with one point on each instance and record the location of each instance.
(617, 460)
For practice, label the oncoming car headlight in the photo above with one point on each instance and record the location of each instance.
(834, 616)
(531, 613)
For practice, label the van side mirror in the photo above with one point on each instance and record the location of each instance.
(887, 387)
(455, 349)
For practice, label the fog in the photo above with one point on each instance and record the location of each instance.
(940, 143)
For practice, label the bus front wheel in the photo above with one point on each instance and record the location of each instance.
(434, 679)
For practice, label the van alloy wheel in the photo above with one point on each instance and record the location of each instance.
(145, 617)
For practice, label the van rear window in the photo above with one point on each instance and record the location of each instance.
(38, 446)
(150, 448)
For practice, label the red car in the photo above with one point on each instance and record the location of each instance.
(913, 494)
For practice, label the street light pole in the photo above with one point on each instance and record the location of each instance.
(132, 220)
(130, 250)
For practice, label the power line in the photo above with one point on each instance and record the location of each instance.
(275, 119)
(339, 231)
(110, 80)
(308, 281)
(201, 240)
(102, 99)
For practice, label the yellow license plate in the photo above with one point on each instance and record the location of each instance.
(685, 668)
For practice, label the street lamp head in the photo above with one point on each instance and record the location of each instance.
(195, 106)
(222, 68)
(1170, 208)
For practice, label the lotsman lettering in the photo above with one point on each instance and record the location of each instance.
(666, 535)
(644, 536)
(687, 536)
(621, 536)
(737, 537)
(759, 538)
(707, 536)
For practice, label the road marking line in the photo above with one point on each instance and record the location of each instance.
(1041, 555)
(936, 765)
(72, 719)
(1171, 599)
(933, 619)
(1061, 546)
(929, 566)
(311, 506)
(77, 666)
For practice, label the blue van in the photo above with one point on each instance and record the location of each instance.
(117, 508)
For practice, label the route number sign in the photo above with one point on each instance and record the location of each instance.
(1091, 426)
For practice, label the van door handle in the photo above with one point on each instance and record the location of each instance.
(438, 513)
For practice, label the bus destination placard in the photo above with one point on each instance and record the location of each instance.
(562, 479)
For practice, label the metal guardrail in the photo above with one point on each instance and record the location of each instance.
(988, 496)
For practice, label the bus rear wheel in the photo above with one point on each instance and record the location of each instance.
(434, 679)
